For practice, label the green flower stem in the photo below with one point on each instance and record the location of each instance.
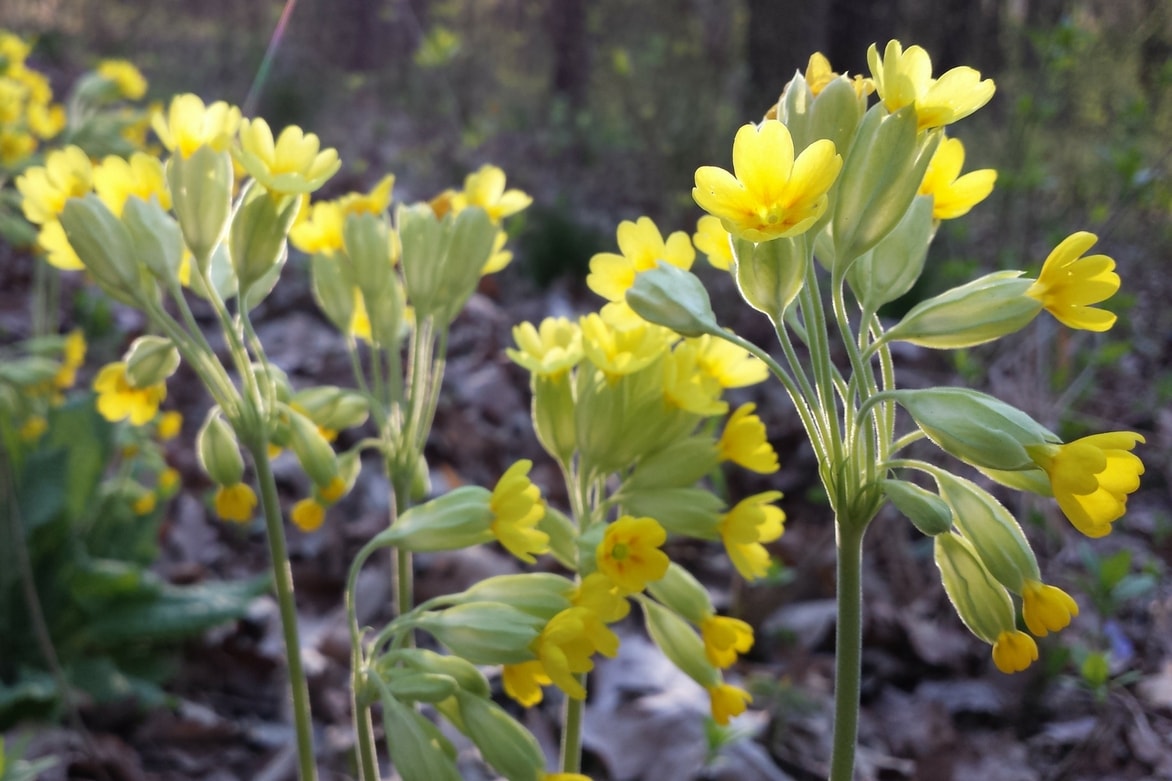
(274, 526)
(571, 748)
(824, 371)
(45, 299)
(848, 649)
(360, 712)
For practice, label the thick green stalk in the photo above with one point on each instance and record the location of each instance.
(848, 649)
(274, 526)
(571, 748)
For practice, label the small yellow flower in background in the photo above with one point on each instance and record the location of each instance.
(728, 364)
(294, 163)
(641, 245)
(129, 80)
(517, 507)
(724, 638)
(563, 777)
(499, 258)
(119, 400)
(714, 241)
(819, 73)
(32, 429)
(1046, 608)
(687, 387)
(59, 253)
(551, 349)
(1014, 651)
(904, 78)
(744, 443)
(1092, 477)
(235, 502)
(332, 491)
(308, 515)
(727, 701)
(145, 504)
(13, 48)
(67, 173)
(375, 202)
(72, 357)
(1069, 283)
(486, 188)
(116, 180)
(566, 644)
(598, 593)
(45, 120)
(752, 521)
(189, 124)
(321, 230)
(15, 146)
(769, 194)
(630, 554)
(168, 481)
(620, 350)
(169, 425)
(954, 195)
(523, 682)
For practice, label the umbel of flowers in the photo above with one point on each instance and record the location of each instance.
(826, 216)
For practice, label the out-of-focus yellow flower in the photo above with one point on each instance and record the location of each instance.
(713, 240)
(72, 357)
(744, 443)
(1069, 283)
(567, 643)
(67, 173)
(904, 78)
(119, 400)
(619, 351)
(630, 554)
(170, 423)
(168, 481)
(686, 386)
(642, 245)
(14, 49)
(752, 521)
(551, 349)
(308, 515)
(1046, 608)
(819, 74)
(45, 120)
(235, 502)
(499, 258)
(598, 593)
(562, 777)
(954, 195)
(117, 179)
(1092, 477)
(294, 163)
(59, 253)
(15, 145)
(1014, 651)
(724, 638)
(517, 507)
(769, 194)
(486, 188)
(32, 429)
(321, 231)
(189, 124)
(728, 364)
(376, 202)
(727, 701)
(523, 682)
(129, 80)
(332, 491)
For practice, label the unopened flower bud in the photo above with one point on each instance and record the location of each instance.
(105, 247)
(680, 591)
(150, 361)
(892, 267)
(463, 672)
(995, 536)
(980, 311)
(484, 632)
(316, 455)
(504, 744)
(201, 197)
(219, 453)
(156, 238)
(333, 288)
(679, 643)
(980, 601)
(672, 297)
(542, 594)
(458, 519)
(257, 235)
(927, 511)
(770, 274)
(421, 752)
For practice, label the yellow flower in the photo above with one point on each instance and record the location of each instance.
(13, 48)
(294, 163)
(168, 481)
(596, 592)
(641, 245)
(116, 180)
(67, 173)
(954, 195)
(1046, 608)
(562, 777)
(308, 515)
(72, 357)
(728, 364)
(45, 120)
(189, 124)
(566, 644)
(321, 231)
(144, 504)
(904, 78)
(687, 387)
(752, 521)
(551, 349)
(15, 146)
(374, 202)
(119, 400)
(1014, 651)
(1070, 283)
(1092, 477)
(499, 258)
(486, 188)
(169, 426)
(125, 76)
(32, 429)
(769, 194)
(743, 442)
(725, 638)
(360, 327)
(818, 73)
(235, 502)
(523, 682)
(59, 253)
(713, 240)
(727, 701)
(332, 491)
(618, 351)
(629, 553)
(517, 507)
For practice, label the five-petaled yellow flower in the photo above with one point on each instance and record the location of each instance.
(1069, 283)
(1046, 608)
(713, 240)
(641, 245)
(1014, 651)
(954, 195)
(117, 179)
(630, 554)
(724, 638)
(743, 442)
(486, 188)
(295, 163)
(125, 76)
(550, 349)
(1092, 477)
(517, 507)
(904, 78)
(235, 502)
(769, 194)
(727, 701)
(119, 400)
(752, 521)
(189, 124)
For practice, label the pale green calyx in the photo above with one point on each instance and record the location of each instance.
(672, 297)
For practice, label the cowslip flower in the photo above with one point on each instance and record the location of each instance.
(630, 554)
(116, 180)
(1014, 651)
(1092, 477)
(641, 245)
(499, 258)
(145, 503)
(1069, 283)
(596, 592)
(32, 429)
(67, 173)
(72, 357)
(235, 502)
(769, 194)
(1046, 608)
(743, 442)
(751, 522)
(727, 701)
(517, 507)
(523, 682)
(819, 74)
(687, 387)
(566, 645)
(904, 78)
(728, 364)
(308, 514)
(119, 400)
(724, 638)
(189, 124)
(125, 76)
(954, 195)
(618, 350)
(169, 425)
(486, 188)
(295, 163)
(713, 240)
(320, 231)
(374, 202)
(550, 349)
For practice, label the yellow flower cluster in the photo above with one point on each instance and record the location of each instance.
(28, 114)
